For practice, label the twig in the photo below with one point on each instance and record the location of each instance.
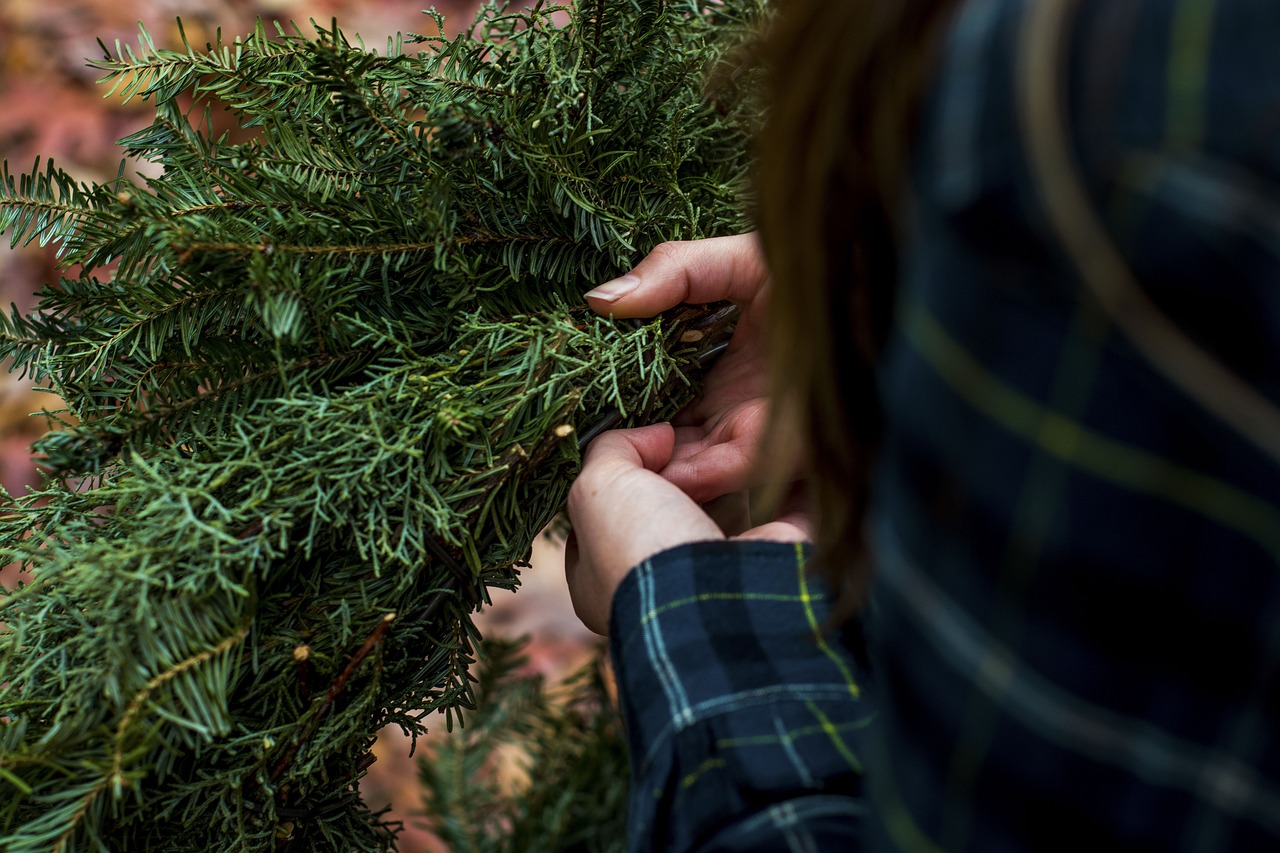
(135, 706)
(335, 690)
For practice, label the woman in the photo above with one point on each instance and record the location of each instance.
(1024, 353)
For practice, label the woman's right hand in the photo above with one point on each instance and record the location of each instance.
(717, 436)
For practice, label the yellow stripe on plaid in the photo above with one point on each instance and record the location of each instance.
(1191, 42)
(833, 733)
(818, 634)
(1105, 458)
(706, 767)
(719, 596)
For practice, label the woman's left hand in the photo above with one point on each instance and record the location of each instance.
(623, 512)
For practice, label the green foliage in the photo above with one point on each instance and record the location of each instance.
(324, 379)
(572, 743)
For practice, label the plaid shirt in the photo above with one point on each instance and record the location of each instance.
(740, 710)
(1075, 627)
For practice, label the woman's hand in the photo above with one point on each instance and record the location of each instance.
(642, 491)
(716, 436)
(623, 512)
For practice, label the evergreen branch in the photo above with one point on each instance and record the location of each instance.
(335, 690)
(138, 225)
(154, 71)
(351, 81)
(170, 409)
(77, 816)
(23, 204)
(234, 206)
(167, 117)
(469, 86)
(324, 375)
(10, 341)
(158, 680)
(186, 250)
(351, 175)
(44, 204)
(100, 351)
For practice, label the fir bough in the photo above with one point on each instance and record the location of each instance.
(326, 378)
(568, 738)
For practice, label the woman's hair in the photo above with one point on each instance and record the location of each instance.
(846, 80)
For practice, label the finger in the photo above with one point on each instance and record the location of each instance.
(708, 463)
(777, 531)
(800, 519)
(570, 554)
(647, 447)
(711, 470)
(792, 520)
(583, 588)
(693, 271)
(731, 512)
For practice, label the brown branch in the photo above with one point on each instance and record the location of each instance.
(335, 690)
(372, 249)
(214, 393)
(87, 800)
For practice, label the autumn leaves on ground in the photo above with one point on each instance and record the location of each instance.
(54, 109)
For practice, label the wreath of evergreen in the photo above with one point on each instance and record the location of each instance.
(325, 379)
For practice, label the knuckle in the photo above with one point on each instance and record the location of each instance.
(668, 252)
(583, 492)
(577, 496)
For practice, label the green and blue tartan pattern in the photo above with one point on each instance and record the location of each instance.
(1076, 627)
(740, 710)
(1074, 633)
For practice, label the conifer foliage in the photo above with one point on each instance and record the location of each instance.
(570, 736)
(326, 377)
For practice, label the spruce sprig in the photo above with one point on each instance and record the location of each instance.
(568, 738)
(325, 378)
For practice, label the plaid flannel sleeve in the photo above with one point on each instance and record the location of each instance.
(739, 706)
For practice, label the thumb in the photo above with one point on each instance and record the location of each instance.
(648, 447)
(693, 271)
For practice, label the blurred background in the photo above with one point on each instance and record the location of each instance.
(52, 108)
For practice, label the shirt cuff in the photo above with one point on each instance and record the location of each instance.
(738, 697)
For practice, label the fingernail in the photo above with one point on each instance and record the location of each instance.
(612, 291)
